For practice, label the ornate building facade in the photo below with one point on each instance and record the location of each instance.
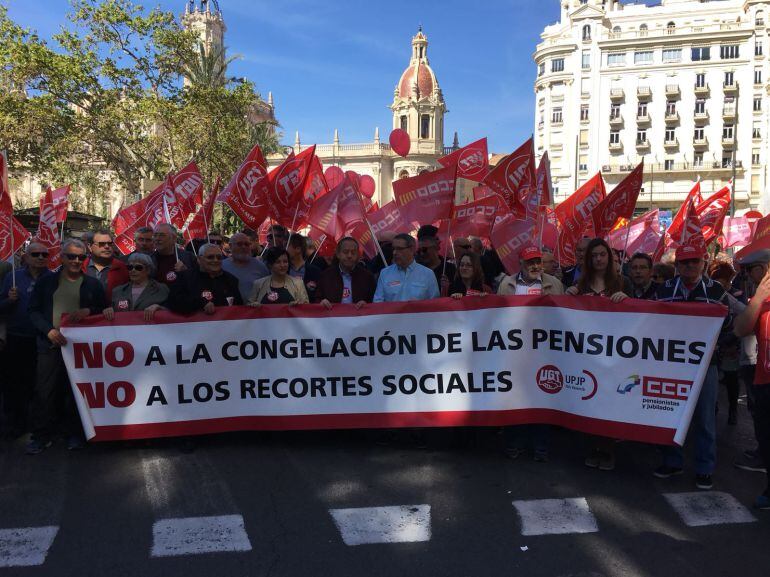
(418, 108)
(683, 85)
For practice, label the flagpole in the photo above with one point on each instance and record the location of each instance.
(168, 221)
(446, 250)
(293, 222)
(315, 254)
(6, 190)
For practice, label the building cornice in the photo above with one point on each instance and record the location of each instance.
(665, 41)
(554, 49)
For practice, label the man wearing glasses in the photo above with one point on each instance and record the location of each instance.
(405, 280)
(102, 264)
(640, 273)
(242, 265)
(207, 287)
(68, 291)
(169, 260)
(19, 356)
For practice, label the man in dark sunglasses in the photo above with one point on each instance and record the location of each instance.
(18, 358)
(66, 292)
(102, 264)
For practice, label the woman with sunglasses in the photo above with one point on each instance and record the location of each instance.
(141, 293)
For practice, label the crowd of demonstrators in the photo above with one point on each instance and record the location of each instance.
(160, 275)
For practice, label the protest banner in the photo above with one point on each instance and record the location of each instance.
(583, 363)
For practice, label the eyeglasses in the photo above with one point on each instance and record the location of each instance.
(38, 254)
(214, 257)
(136, 267)
(79, 257)
(103, 244)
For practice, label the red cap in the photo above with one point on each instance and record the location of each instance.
(690, 251)
(529, 252)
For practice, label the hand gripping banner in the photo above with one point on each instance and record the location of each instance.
(631, 370)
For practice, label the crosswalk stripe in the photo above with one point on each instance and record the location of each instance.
(368, 525)
(555, 516)
(25, 547)
(197, 535)
(708, 508)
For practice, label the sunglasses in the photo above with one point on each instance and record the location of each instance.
(38, 254)
(214, 257)
(136, 267)
(79, 257)
(103, 244)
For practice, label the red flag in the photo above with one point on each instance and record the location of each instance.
(540, 194)
(365, 240)
(620, 203)
(246, 193)
(638, 234)
(12, 232)
(511, 173)
(324, 213)
(482, 191)
(474, 218)
(324, 244)
(59, 197)
(546, 232)
(508, 237)
(388, 219)
(199, 226)
(350, 208)
(694, 196)
(146, 212)
(760, 240)
(185, 195)
(736, 232)
(711, 213)
(427, 197)
(47, 231)
(574, 215)
(286, 194)
(472, 160)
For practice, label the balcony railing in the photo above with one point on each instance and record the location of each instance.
(730, 87)
(672, 117)
(643, 118)
(675, 167)
(728, 141)
(644, 92)
(617, 94)
(673, 91)
(616, 119)
(728, 112)
(701, 117)
(615, 146)
(702, 88)
(642, 143)
(700, 142)
(671, 143)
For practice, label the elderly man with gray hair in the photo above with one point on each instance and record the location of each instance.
(141, 293)
(68, 291)
(242, 265)
(207, 286)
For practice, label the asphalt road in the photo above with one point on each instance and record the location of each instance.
(297, 504)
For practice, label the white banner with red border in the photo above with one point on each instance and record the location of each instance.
(631, 370)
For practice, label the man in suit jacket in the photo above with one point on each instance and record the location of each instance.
(344, 281)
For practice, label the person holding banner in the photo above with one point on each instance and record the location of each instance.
(68, 291)
(206, 287)
(469, 280)
(531, 279)
(280, 287)
(691, 285)
(18, 358)
(169, 260)
(344, 281)
(405, 280)
(141, 293)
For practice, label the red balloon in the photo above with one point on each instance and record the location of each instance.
(400, 142)
(334, 176)
(353, 176)
(753, 214)
(366, 185)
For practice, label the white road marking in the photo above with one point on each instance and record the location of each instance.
(197, 535)
(399, 524)
(555, 516)
(25, 547)
(708, 508)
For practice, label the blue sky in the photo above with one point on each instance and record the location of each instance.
(334, 64)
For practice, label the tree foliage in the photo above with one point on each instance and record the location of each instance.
(103, 101)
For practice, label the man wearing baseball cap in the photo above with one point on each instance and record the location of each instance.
(530, 280)
(690, 285)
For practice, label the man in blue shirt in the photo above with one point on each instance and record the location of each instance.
(405, 280)
(19, 358)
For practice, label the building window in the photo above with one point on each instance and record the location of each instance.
(557, 65)
(425, 126)
(699, 134)
(729, 51)
(701, 53)
(616, 30)
(755, 157)
(670, 134)
(759, 19)
(641, 136)
(584, 112)
(643, 57)
(670, 28)
(615, 137)
(700, 80)
(700, 106)
(672, 55)
(404, 123)
(614, 111)
(643, 30)
(616, 59)
(756, 132)
(757, 76)
(587, 32)
(757, 47)
(583, 138)
(729, 78)
(541, 69)
(556, 116)
(727, 162)
(403, 174)
(586, 62)
(757, 103)
(697, 159)
(670, 107)
(668, 164)
(583, 163)
(728, 131)
(641, 109)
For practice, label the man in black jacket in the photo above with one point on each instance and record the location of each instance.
(345, 281)
(691, 285)
(69, 292)
(206, 287)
